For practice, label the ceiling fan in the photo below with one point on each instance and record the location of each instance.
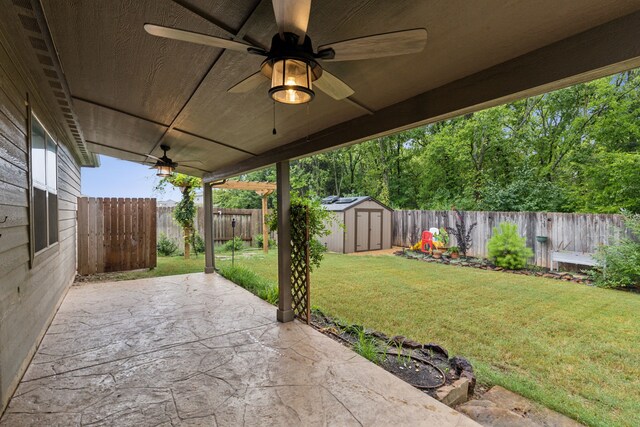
(291, 63)
(164, 165)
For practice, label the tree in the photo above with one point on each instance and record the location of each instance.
(185, 211)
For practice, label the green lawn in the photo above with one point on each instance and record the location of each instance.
(573, 348)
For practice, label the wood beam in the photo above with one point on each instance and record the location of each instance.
(265, 231)
(209, 255)
(607, 49)
(256, 186)
(285, 309)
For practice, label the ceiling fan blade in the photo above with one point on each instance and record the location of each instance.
(248, 84)
(333, 86)
(191, 37)
(292, 16)
(189, 161)
(379, 45)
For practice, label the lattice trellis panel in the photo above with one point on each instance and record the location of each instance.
(300, 279)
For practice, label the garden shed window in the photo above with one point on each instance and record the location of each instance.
(44, 175)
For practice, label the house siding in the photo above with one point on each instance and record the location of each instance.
(29, 296)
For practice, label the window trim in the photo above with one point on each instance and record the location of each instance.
(40, 256)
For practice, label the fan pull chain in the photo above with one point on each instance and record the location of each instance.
(274, 118)
(308, 139)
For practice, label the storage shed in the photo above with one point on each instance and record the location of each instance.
(367, 224)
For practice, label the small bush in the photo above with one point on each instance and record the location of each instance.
(259, 238)
(619, 263)
(249, 280)
(507, 249)
(197, 243)
(237, 243)
(166, 246)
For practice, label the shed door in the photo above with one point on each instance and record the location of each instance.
(362, 231)
(375, 230)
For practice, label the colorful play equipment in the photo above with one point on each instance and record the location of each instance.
(427, 239)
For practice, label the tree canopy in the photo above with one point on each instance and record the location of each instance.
(572, 150)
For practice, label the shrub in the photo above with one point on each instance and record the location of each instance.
(507, 249)
(259, 238)
(166, 246)
(462, 233)
(619, 263)
(236, 244)
(197, 242)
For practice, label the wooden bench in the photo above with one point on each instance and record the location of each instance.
(568, 257)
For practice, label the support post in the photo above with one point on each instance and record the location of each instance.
(285, 310)
(265, 231)
(209, 256)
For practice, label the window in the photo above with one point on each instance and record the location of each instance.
(44, 176)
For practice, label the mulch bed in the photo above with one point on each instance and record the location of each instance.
(425, 366)
(484, 264)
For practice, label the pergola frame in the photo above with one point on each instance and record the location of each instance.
(264, 189)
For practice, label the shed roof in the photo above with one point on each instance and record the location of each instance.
(342, 204)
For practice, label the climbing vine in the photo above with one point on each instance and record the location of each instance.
(185, 211)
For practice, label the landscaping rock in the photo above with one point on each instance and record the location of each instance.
(405, 342)
(500, 408)
(380, 336)
(454, 394)
(463, 369)
(436, 348)
(492, 416)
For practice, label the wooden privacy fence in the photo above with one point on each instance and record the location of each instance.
(116, 234)
(564, 231)
(248, 224)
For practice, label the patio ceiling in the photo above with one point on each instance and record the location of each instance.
(134, 91)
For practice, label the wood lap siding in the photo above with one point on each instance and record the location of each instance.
(29, 296)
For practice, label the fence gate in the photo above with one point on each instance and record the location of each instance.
(116, 234)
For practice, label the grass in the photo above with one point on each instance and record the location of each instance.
(570, 347)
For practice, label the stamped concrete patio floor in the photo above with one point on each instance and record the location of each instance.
(198, 350)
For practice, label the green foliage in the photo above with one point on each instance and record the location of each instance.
(249, 280)
(367, 347)
(454, 250)
(236, 244)
(619, 263)
(572, 150)
(318, 219)
(507, 249)
(165, 245)
(197, 242)
(185, 210)
(259, 238)
(269, 293)
(462, 233)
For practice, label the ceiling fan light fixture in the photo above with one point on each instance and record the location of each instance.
(291, 81)
(163, 170)
(164, 166)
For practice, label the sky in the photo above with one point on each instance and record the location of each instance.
(119, 178)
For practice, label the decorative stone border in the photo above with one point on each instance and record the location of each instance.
(452, 394)
(483, 264)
